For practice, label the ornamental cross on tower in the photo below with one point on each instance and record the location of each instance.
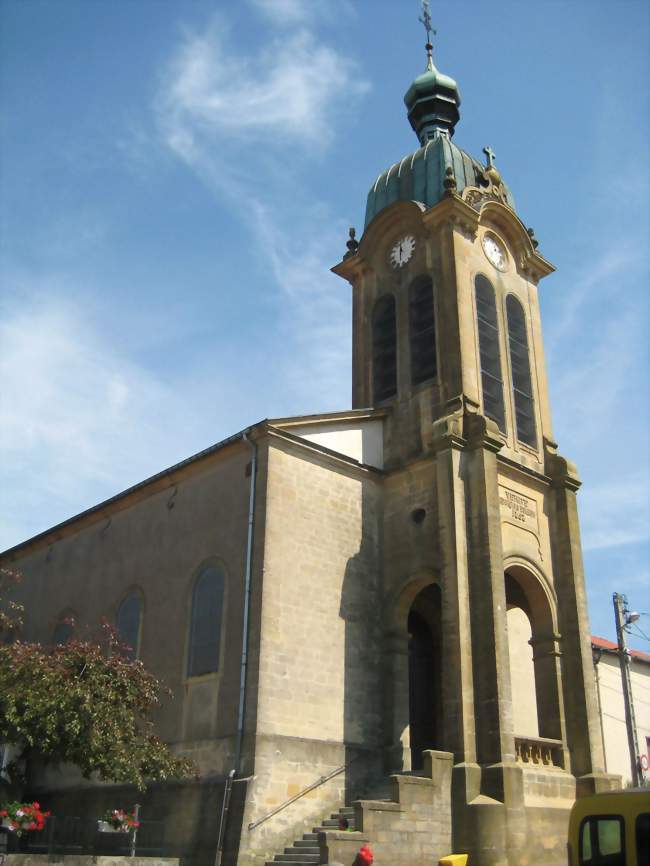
(490, 155)
(425, 18)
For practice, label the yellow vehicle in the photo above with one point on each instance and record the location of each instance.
(611, 829)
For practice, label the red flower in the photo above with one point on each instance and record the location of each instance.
(36, 805)
(3, 813)
(365, 855)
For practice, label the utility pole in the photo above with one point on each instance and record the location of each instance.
(623, 618)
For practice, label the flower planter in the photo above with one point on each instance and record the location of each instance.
(106, 827)
(5, 823)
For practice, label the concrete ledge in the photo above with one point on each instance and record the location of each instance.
(340, 847)
(380, 805)
(88, 860)
(413, 780)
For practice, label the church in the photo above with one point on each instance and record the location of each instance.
(378, 613)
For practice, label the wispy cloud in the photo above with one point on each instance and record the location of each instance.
(596, 282)
(79, 420)
(285, 11)
(244, 126)
(615, 513)
(282, 13)
(289, 93)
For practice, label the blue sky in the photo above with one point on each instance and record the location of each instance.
(178, 177)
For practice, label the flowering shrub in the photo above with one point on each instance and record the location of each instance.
(19, 817)
(86, 703)
(120, 820)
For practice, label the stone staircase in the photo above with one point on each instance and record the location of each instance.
(410, 825)
(305, 851)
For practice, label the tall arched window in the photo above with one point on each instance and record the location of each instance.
(64, 629)
(127, 622)
(384, 348)
(422, 331)
(522, 387)
(205, 624)
(488, 341)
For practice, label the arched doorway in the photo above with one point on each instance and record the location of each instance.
(424, 655)
(534, 656)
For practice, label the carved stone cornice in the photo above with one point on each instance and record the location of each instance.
(447, 432)
(482, 432)
(455, 213)
(562, 472)
(353, 268)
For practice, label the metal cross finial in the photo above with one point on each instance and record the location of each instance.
(491, 156)
(425, 18)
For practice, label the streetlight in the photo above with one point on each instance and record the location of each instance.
(624, 617)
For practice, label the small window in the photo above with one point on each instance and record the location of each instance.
(384, 349)
(422, 332)
(602, 841)
(520, 367)
(205, 625)
(128, 624)
(490, 355)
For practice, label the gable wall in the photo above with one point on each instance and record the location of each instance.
(157, 545)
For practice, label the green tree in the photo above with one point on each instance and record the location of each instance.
(83, 702)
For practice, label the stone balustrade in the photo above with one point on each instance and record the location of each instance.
(539, 752)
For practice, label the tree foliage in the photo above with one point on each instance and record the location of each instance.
(87, 703)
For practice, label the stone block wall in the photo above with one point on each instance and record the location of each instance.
(415, 827)
(319, 698)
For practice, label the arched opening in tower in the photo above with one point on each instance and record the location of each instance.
(425, 699)
(534, 657)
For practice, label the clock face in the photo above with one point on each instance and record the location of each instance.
(401, 251)
(494, 251)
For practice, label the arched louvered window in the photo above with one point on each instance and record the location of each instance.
(205, 624)
(384, 348)
(127, 622)
(520, 366)
(488, 340)
(422, 331)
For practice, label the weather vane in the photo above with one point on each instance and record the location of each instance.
(425, 18)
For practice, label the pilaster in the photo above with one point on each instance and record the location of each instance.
(495, 739)
(583, 734)
(397, 747)
(457, 681)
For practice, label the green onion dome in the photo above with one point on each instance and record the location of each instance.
(432, 102)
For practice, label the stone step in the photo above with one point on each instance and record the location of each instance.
(310, 844)
(298, 857)
(297, 848)
(346, 810)
(310, 837)
(293, 862)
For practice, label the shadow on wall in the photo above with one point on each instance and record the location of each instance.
(187, 813)
(360, 609)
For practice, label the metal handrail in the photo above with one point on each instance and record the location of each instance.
(302, 793)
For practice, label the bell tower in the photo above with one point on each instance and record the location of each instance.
(445, 306)
(447, 342)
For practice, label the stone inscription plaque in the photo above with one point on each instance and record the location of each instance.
(518, 509)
